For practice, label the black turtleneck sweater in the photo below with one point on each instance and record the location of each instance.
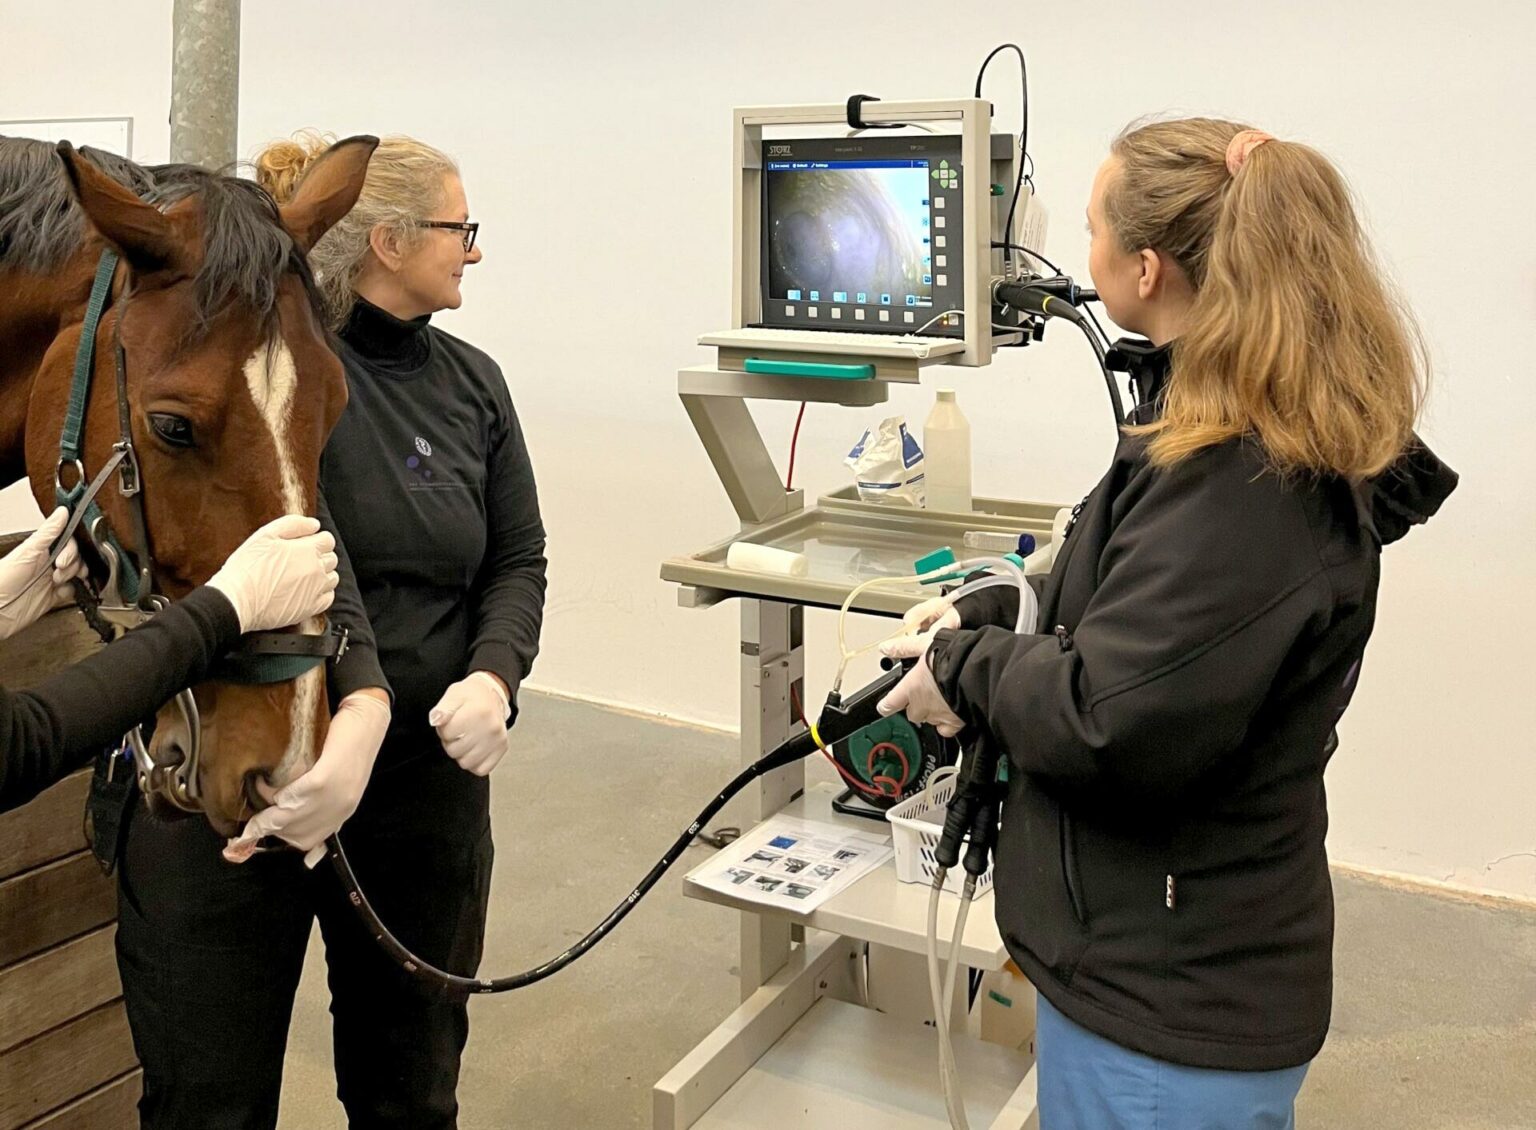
(430, 485)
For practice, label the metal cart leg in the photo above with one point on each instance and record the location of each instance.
(772, 658)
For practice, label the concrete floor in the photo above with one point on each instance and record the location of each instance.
(1435, 1001)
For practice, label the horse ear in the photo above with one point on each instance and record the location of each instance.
(328, 190)
(147, 237)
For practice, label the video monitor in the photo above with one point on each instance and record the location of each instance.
(863, 234)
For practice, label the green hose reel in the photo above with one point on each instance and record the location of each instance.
(892, 759)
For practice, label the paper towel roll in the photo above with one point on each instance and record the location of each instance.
(765, 559)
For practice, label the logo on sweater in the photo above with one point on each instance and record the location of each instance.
(417, 463)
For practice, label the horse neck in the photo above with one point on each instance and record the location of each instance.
(34, 309)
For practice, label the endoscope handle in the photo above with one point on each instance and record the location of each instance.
(957, 822)
(841, 718)
(983, 835)
(974, 795)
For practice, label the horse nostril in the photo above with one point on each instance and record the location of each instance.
(253, 782)
(167, 750)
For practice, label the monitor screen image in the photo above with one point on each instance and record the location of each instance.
(849, 231)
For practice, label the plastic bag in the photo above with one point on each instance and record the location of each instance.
(888, 465)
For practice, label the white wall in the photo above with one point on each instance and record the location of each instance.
(594, 139)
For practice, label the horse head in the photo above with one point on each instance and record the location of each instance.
(232, 391)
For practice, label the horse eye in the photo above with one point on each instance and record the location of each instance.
(175, 430)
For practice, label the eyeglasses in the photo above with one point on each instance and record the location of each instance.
(467, 232)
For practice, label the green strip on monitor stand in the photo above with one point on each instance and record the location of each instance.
(811, 369)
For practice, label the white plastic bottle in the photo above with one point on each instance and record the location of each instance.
(947, 455)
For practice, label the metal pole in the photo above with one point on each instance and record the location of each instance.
(205, 81)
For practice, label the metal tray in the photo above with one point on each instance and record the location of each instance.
(1022, 517)
(846, 542)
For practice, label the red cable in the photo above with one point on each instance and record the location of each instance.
(793, 443)
(906, 768)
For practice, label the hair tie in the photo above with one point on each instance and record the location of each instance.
(1244, 142)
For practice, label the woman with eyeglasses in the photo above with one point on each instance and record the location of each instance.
(430, 487)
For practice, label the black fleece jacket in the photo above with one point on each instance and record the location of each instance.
(1161, 875)
(432, 491)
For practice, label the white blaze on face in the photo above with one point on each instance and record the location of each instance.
(272, 380)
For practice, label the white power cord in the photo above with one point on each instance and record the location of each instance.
(943, 997)
(954, 946)
(953, 1103)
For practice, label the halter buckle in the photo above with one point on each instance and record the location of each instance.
(114, 607)
(111, 589)
(128, 482)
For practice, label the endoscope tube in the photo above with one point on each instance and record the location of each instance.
(859, 712)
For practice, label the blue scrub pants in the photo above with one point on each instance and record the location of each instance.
(1090, 1083)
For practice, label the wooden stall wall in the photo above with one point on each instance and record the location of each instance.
(66, 1061)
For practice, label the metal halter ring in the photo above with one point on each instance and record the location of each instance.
(58, 477)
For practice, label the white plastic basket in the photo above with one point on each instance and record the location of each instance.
(916, 824)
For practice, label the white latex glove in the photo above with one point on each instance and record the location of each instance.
(918, 624)
(918, 695)
(471, 720)
(311, 808)
(24, 595)
(281, 575)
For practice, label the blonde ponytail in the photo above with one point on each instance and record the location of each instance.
(404, 183)
(1294, 337)
(281, 164)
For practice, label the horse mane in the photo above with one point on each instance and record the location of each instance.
(246, 248)
(40, 223)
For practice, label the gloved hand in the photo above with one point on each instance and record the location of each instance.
(919, 624)
(24, 595)
(309, 809)
(932, 614)
(471, 720)
(281, 575)
(918, 694)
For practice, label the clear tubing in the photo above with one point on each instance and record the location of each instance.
(948, 1076)
(1029, 604)
(1010, 572)
(952, 1080)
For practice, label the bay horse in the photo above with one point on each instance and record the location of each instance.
(231, 385)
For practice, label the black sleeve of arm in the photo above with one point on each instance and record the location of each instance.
(511, 583)
(61, 724)
(999, 605)
(359, 667)
(1205, 586)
